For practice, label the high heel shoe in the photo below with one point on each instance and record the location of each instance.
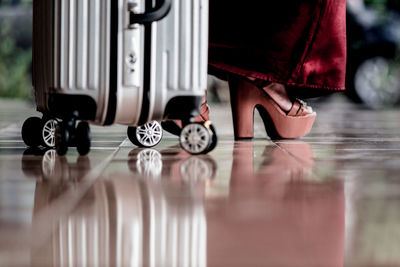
(246, 96)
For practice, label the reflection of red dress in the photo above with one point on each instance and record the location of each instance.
(300, 43)
(275, 215)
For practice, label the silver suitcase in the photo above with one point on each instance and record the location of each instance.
(130, 62)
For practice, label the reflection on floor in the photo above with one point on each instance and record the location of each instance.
(329, 199)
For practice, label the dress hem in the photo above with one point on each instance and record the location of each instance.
(268, 78)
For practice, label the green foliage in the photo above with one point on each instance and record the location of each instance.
(378, 5)
(14, 66)
(15, 2)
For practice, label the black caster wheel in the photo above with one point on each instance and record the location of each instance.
(197, 138)
(83, 140)
(48, 130)
(148, 135)
(31, 131)
(61, 139)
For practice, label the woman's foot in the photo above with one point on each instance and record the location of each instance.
(277, 92)
(283, 118)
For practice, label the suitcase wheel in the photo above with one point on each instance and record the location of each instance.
(48, 129)
(148, 135)
(61, 139)
(66, 134)
(83, 139)
(39, 132)
(31, 131)
(198, 138)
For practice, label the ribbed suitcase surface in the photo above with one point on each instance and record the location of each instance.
(73, 41)
(70, 51)
(82, 49)
(130, 62)
(181, 38)
(72, 44)
(180, 52)
(81, 38)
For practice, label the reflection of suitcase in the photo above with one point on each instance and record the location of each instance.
(119, 219)
(131, 62)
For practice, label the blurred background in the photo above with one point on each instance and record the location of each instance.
(373, 71)
(15, 49)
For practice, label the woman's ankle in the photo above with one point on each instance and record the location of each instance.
(278, 93)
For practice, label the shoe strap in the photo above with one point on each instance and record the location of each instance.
(205, 112)
(297, 108)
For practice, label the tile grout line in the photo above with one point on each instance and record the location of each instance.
(299, 160)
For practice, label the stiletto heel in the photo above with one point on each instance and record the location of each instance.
(245, 97)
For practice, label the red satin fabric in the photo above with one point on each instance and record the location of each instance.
(299, 43)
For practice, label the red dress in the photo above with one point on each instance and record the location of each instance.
(299, 43)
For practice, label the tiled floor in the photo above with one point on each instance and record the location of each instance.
(329, 199)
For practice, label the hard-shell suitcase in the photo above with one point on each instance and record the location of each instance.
(131, 62)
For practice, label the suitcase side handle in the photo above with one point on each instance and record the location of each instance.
(154, 15)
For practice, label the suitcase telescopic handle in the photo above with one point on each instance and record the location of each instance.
(155, 14)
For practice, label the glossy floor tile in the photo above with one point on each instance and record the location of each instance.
(329, 199)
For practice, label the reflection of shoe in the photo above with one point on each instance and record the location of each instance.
(289, 160)
(283, 162)
(301, 151)
(246, 96)
(175, 126)
(282, 217)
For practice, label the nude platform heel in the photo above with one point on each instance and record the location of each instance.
(246, 97)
